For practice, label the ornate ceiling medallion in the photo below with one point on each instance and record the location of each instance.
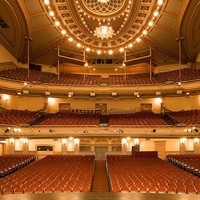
(103, 7)
(104, 32)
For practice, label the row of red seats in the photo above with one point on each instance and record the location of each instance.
(188, 162)
(72, 118)
(186, 117)
(10, 163)
(144, 118)
(54, 173)
(21, 74)
(19, 117)
(149, 175)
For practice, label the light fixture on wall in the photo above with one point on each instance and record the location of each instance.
(114, 93)
(16, 130)
(70, 94)
(47, 93)
(190, 130)
(92, 94)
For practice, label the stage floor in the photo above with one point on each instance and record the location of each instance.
(100, 195)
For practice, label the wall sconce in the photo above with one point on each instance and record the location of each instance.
(6, 97)
(16, 130)
(136, 141)
(50, 100)
(158, 100)
(24, 140)
(70, 94)
(12, 140)
(64, 141)
(190, 130)
(196, 140)
(123, 141)
(76, 141)
(183, 140)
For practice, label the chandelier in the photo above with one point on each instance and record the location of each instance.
(104, 32)
(103, 1)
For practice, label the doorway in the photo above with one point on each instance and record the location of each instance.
(160, 148)
(100, 152)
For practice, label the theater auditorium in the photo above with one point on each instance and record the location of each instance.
(99, 99)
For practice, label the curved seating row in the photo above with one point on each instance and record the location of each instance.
(85, 118)
(21, 74)
(10, 163)
(188, 162)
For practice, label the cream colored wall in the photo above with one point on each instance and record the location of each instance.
(22, 103)
(32, 144)
(177, 103)
(37, 103)
(6, 56)
(170, 145)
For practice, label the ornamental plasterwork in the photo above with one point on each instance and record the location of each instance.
(81, 17)
(101, 140)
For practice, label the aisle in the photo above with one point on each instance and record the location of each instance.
(100, 177)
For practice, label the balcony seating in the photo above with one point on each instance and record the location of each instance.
(76, 79)
(21, 74)
(139, 119)
(186, 117)
(19, 117)
(66, 118)
(54, 173)
(148, 175)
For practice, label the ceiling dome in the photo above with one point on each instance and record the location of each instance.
(85, 21)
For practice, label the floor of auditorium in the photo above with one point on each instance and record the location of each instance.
(98, 195)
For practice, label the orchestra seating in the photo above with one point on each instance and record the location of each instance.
(19, 117)
(54, 173)
(67, 118)
(185, 117)
(188, 162)
(139, 119)
(10, 163)
(149, 175)
(34, 76)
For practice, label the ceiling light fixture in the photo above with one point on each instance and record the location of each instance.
(103, 1)
(104, 32)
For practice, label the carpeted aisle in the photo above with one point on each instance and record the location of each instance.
(100, 177)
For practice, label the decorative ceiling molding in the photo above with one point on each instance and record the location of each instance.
(130, 20)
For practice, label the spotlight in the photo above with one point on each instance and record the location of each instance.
(154, 130)
(195, 129)
(7, 130)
